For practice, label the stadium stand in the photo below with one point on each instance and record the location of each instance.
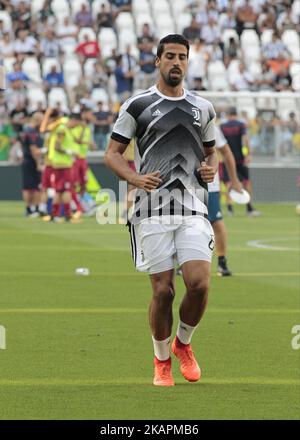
(230, 51)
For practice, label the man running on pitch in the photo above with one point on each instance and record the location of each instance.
(175, 137)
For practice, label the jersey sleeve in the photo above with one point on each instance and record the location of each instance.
(219, 137)
(208, 131)
(125, 126)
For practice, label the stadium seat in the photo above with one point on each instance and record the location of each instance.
(126, 37)
(107, 36)
(217, 76)
(86, 31)
(140, 19)
(183, 20)
(48, 63)
(4, 15)
(9, 63)
(140, 6)
(178, 7)
(76, 5)
(32, 69)
(89, 67)
(35, 96)
(266, 36)
(255, 68)
(291, 40)
(72, 72)
(124, 21)
(60, 8)
(36, 6)
(250, 45)
(227, 34)
(58, 95)
(295, 74)
(99, 95)
(160, 7)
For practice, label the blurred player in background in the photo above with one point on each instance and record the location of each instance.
(235, 133)
(32, 144)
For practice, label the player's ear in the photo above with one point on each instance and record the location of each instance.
(157, 61)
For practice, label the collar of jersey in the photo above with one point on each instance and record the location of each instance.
(177, 98)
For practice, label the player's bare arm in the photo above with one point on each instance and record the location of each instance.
(114, 160)
(209, 167)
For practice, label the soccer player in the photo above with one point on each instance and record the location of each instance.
(31, 166)
(175, 137)
(236, 136)
(214, 207)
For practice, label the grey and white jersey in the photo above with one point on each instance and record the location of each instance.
(171, 134)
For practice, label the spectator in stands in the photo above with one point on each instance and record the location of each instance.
(17, 74)
(242, 80)
(266, 19)
(119, 6)
(265, 79)
(78, 92)
(50, 47)
(272, 50)
(46, 12)
(129, 65)
(215, 52)
(3, 28)
(246, 18)
(147, 74)
(110, 63)
(198, 84)
(124, 80)
(102, 123)
(283, 80)
(67, 33)
(210, 32)
(99, 78)
(276, 64)
(15, 94)
(87, 49)
(146, 37)
(19, 117)
(53, 79)
(104, 18)
(209, 12)
(84, 17)
(7, 135)
(232, 50)
(21, 17)
(227, 21)
(192, 32)
(198, 60)
(287, 19)
(6, 46)
(25, 44)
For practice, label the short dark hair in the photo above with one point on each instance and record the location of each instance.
(172, 38)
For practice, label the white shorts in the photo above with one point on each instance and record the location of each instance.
(159, 245)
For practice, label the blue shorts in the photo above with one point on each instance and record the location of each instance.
(214, 207)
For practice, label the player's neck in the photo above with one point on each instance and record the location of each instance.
(173, 92)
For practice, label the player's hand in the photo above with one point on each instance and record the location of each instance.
(147, 182)
(207, 172)
(237, 186)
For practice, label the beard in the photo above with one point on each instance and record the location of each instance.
(171, 81)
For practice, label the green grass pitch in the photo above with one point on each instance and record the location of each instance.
(80, 347)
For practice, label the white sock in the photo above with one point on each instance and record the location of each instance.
(42, 207)
(185, 332)
(162, 348)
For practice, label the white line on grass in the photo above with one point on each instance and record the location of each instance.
(260, 244)
(143, 381)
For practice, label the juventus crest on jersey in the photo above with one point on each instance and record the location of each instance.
(171, 134)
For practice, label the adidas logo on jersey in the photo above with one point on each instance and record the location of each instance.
(157, 113)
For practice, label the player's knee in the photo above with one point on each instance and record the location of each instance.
(164, 293)
(198, 286)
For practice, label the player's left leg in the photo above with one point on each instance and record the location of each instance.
(221, 247)
(243, 175)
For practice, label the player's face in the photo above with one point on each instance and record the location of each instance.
(173, 63)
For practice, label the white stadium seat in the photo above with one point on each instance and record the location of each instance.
(107, 37)
(89, 67)
(99, 95)
(217, 76)
(36, 6)
(72, 72)
(9, 63)
(160, 7)
(48, 63)
(140, 6)
(141, 19)
(178, 6)
(4, 15)
(126, 37)
(291, 40)
(60, 8)
(183, 20)
(227, 34)
(31, 67)
(87, 31)
(58, 95)
(266, 36)
(124, 20)
(35, 96)
(250, 46)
